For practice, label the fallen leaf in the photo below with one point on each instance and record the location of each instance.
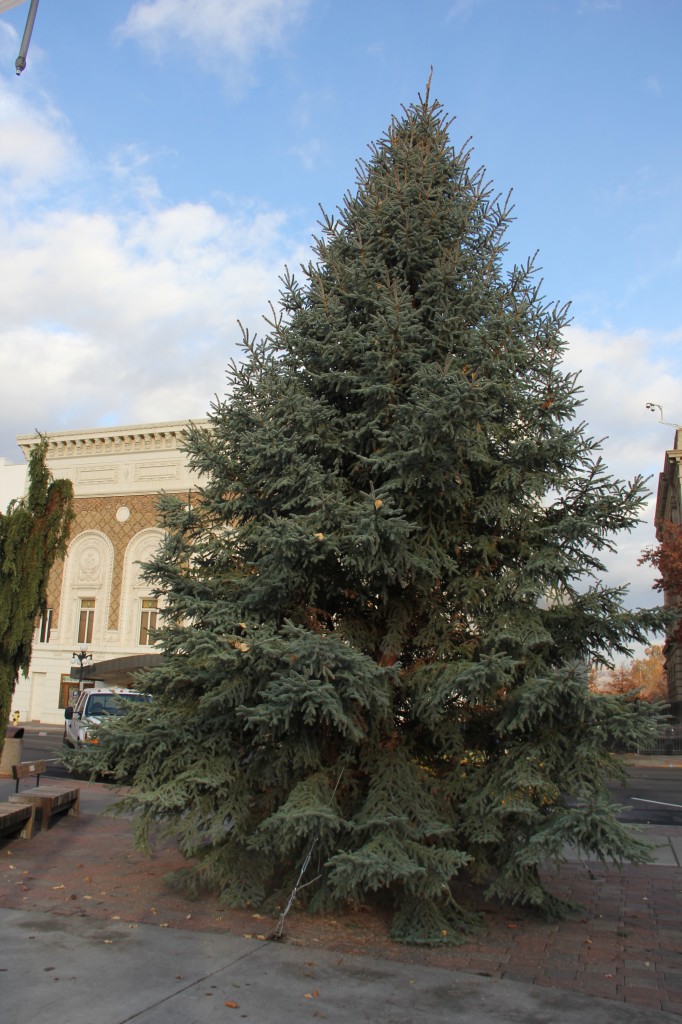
(58, 886)
(164, 924)
(231, 1003)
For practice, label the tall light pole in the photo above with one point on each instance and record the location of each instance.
(6, 5)
(20, 62)
(82, 656)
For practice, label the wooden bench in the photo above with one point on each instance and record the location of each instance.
(46, 802)
(27, 769)
(17, 818)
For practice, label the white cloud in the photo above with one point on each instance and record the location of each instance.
(308, 153)
(117, 311)
(214, 29)
(132, 316)
(8, 38)
(128, 166)
(36, 147)
(462, 8)
(619, 374)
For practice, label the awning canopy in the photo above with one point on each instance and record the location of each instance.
(121, 671)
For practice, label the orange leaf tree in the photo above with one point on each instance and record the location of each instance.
(643, 678)
(666, 558)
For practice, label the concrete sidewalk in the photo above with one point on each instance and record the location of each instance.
(91, 930)
(84, 971)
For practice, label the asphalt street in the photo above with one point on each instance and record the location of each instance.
(652, 796)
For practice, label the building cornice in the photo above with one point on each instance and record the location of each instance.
(141, 437)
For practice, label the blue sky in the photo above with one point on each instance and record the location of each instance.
(161, 160)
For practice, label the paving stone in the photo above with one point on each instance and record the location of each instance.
(632, 918)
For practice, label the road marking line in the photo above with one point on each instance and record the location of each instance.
(641, 800)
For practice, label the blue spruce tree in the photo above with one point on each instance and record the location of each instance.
(381, 609)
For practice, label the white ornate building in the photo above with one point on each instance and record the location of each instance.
(96, 597)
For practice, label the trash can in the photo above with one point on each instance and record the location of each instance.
(11, 752)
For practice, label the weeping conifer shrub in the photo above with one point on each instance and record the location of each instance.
(380, 611)
(33, 534)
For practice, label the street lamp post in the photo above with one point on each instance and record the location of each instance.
(6, 5)
(20, 62)
(82, 656)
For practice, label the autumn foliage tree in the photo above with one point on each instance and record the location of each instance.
(666, 558)
(643, 678)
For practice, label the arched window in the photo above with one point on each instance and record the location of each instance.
(139, 608)
(86, 589)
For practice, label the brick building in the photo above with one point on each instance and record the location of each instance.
(669, 509)
(97, 602)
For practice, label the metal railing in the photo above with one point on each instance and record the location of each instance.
(668, 741)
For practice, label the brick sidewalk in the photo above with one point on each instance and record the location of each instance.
(627, 945)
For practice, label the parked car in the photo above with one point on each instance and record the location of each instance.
(91, 707)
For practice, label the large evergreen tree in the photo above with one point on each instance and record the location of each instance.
(380, 613)
(33, 534)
